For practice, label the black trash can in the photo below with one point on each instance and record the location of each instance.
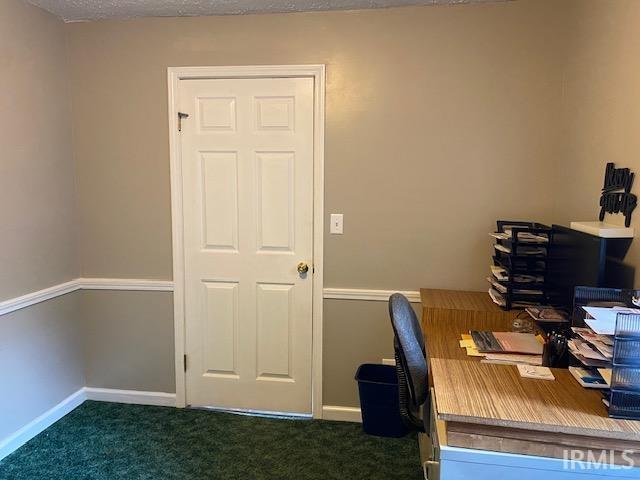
(378, 387)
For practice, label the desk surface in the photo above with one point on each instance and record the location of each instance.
(471, 392)
(458, 300)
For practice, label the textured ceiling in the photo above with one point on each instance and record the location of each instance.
(84, 10)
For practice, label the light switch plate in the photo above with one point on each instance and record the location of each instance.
(336, 224)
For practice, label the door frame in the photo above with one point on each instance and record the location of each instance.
(174, 75)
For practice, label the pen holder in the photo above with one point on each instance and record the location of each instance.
(555, 353)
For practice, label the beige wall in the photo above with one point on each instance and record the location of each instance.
(436, 117)
(37, 245)
(40, 353)
(40, 360)
(128, 340)
(355, 332)
(601, 108)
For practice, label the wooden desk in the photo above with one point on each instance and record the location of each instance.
(490, 407)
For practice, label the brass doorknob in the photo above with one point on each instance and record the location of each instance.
(303, 267)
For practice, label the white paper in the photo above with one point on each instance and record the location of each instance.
(604, 319)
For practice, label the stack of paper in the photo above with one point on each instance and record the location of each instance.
(547, 314)
(589, 377)
(603, 320)
(500, 273)
(466, 342)
(602, 343)
(499, 300)
(593, 345)
(523, 237)
(502, 248)
(512, 359)
(497, 285)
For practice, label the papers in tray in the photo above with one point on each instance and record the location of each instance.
(500, 273)
(602, 343)
(586, 350)
(497, 285)
(502, 248)
(604, 319)
(503, 276)
(547, 314)
(588, 354)
(523, 237)
(497, 298)
(522, 250)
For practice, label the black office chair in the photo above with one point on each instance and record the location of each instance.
(411, 363)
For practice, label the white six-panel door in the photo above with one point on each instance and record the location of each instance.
(247, 168)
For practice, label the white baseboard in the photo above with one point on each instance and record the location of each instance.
(51, 416)
(131, 396)
(48, 418)
(341, 414)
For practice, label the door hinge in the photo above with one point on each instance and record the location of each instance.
(180, 117)
(185, 363)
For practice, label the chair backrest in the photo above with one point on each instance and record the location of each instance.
(411, 362)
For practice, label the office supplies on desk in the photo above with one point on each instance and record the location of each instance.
(555, 353)
(588, 377)
(512, 359)
(546, 313)
(605, 373)
(506, 342)
(539, 373)
(519, 264)
(602, 343)
(466, 342)
(479, 407)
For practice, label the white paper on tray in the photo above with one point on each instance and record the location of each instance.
(604, 319)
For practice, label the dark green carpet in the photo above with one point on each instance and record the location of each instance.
(108, 441)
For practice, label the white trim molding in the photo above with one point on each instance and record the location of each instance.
(160, 399)
(174, 76)
(130, 284)
(371, 295)
(17, 303)
(41, 423)
(341, 414)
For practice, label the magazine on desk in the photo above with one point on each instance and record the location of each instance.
(506, 342)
